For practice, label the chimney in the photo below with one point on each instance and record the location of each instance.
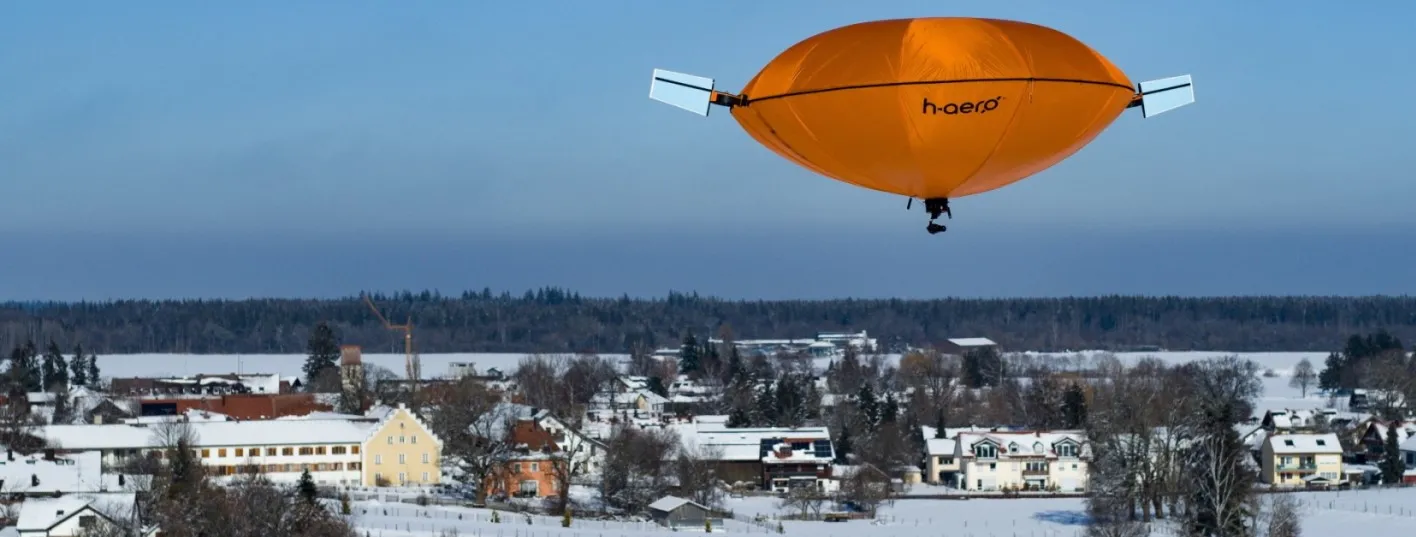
(350, 355)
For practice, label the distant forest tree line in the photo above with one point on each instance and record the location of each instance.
(557, 320)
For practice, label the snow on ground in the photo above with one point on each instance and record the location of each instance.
(155, 364)
(1379, 513)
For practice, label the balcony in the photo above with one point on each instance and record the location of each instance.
(1298, 467)
(1035, 470)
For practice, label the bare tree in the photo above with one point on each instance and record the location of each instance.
(1282, 517)
(697, 469)
(806, 501)
(1304, 376)
(540, 377)
(868, 487)
(474, 424)
(570, 461)
(637, 469)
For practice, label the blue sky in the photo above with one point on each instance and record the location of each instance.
(320, 147)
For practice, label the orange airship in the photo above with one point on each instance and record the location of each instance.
(930, 108)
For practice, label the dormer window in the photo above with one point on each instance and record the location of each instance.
(1013, 447)
(1322, 442)
(1067, 450)
(1037, 448)
(1288, 443)
(985, 451)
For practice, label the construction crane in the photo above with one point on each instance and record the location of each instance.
(411, 363)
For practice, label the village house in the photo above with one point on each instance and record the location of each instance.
(393, 447)
(769, 458)
(59, 517)
(1020, 460)
(962, 345)
(1290, 460)
(1373, 440)
(1296, 421)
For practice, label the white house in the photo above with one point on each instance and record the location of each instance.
(59, 517)
(1023, 460)
(335, 451)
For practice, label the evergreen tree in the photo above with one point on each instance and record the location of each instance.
(1330, 378)
(54, 369)
(92, 370)
(24, 368)
(322, 352)
(78, 368)
(689, 355)
(307, 490)
(735, 366)
(1392, 466)
(868, 406)
(890, 411)
(767, 414)
(939, 423)
(844, 446)
(656, 385)
(1074, 407)
(738, 417)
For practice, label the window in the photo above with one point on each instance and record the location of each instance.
(402, 439)
(377, 477)
(529, 486)
(288, 452)
(206, 453)
(1037, 448)
(992, 466)
(87, 521)
(354, 450)
(390, 440)
(240, 452)
(402, 458)
(270, 452)
(1322, 442)
(221, 452)
(425, 477)
(255, 452)
(1012, 447)
(425, 458)
(402, 477)
(378, 459)
(1067, 450)
(320, 450)
(516, 468)
(338, 450)
(1288, 443)
(535, 467)
(985, 451)
(412, 439)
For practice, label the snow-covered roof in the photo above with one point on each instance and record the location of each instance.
(79, 472)
(40, 514)
(938, 447)
(210, 434)
(971, 341)
(669, 503)
(190, 415)
(1291, 419)
(1409, 444)
(1027, 444)
(746, 444)
(1305, 443)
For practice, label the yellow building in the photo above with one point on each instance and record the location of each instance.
(402, 450)
(1295, 460)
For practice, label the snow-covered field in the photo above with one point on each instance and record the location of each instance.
(1380, 513)
(154, 364)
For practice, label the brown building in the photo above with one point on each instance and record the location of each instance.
(238, 406)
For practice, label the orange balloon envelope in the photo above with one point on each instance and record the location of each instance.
(930, 108)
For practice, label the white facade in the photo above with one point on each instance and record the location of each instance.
(1022, 460)
(58, 517)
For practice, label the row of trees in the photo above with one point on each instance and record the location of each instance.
(553, 320)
